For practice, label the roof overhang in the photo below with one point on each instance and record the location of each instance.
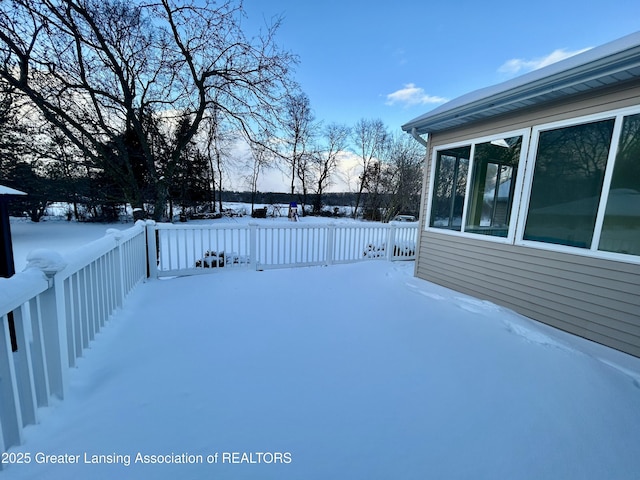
(10, 191)
(607, 65)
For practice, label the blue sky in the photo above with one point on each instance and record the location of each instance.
(396, 61)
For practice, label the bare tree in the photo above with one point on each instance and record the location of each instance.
(219, 139)
(12, 133)
(325, 159)
(261, 158)
(403, 176)
(369, 138)
(394, 179)
(298, 124)
(110, 74)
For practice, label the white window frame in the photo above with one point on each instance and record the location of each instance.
(618, 115)
(525, 133)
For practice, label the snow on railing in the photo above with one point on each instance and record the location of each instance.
(57, 307)
(191, 249)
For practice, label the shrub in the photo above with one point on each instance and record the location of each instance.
(212, 259)
(400, 249)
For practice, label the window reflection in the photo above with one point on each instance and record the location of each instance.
(567, 184)
(452, 166)
(621, 227)
(495, 164)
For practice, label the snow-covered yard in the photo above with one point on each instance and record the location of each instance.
(345, 372)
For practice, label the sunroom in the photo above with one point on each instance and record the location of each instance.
(583, 185)
(532, 194)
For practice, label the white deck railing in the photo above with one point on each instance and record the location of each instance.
(57, 309)
(179, 249)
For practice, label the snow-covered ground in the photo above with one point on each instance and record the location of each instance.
(345, 372)
(59, 235)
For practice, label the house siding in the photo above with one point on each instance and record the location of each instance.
(593, 297)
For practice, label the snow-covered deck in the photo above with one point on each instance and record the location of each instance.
(343, 372)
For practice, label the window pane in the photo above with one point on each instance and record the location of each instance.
(567, 183)
(449, 188)
(621, 227)
(495, 164)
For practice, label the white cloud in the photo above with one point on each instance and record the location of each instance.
(411, 95)
(519, 65)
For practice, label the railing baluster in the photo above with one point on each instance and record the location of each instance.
(41, 379)
(82, 319)
(72, 335)
(24, 366)
(11, 425)
(95, 297)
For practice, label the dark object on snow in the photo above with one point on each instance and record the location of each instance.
(293, 211)
(138, 214)
(7, 266)
(259, 212)
(211, 260)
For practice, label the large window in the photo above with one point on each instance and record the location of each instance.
(567, 181)
(621, 227)
(477, 182)
(585, 187)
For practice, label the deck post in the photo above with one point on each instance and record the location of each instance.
(152, 249)
(119, 266)
(331, 235)
(54, 320)
(391, 241)
(253, 245)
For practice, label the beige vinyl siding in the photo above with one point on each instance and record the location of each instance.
(596, 298)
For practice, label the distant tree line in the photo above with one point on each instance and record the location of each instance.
(158, 105)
